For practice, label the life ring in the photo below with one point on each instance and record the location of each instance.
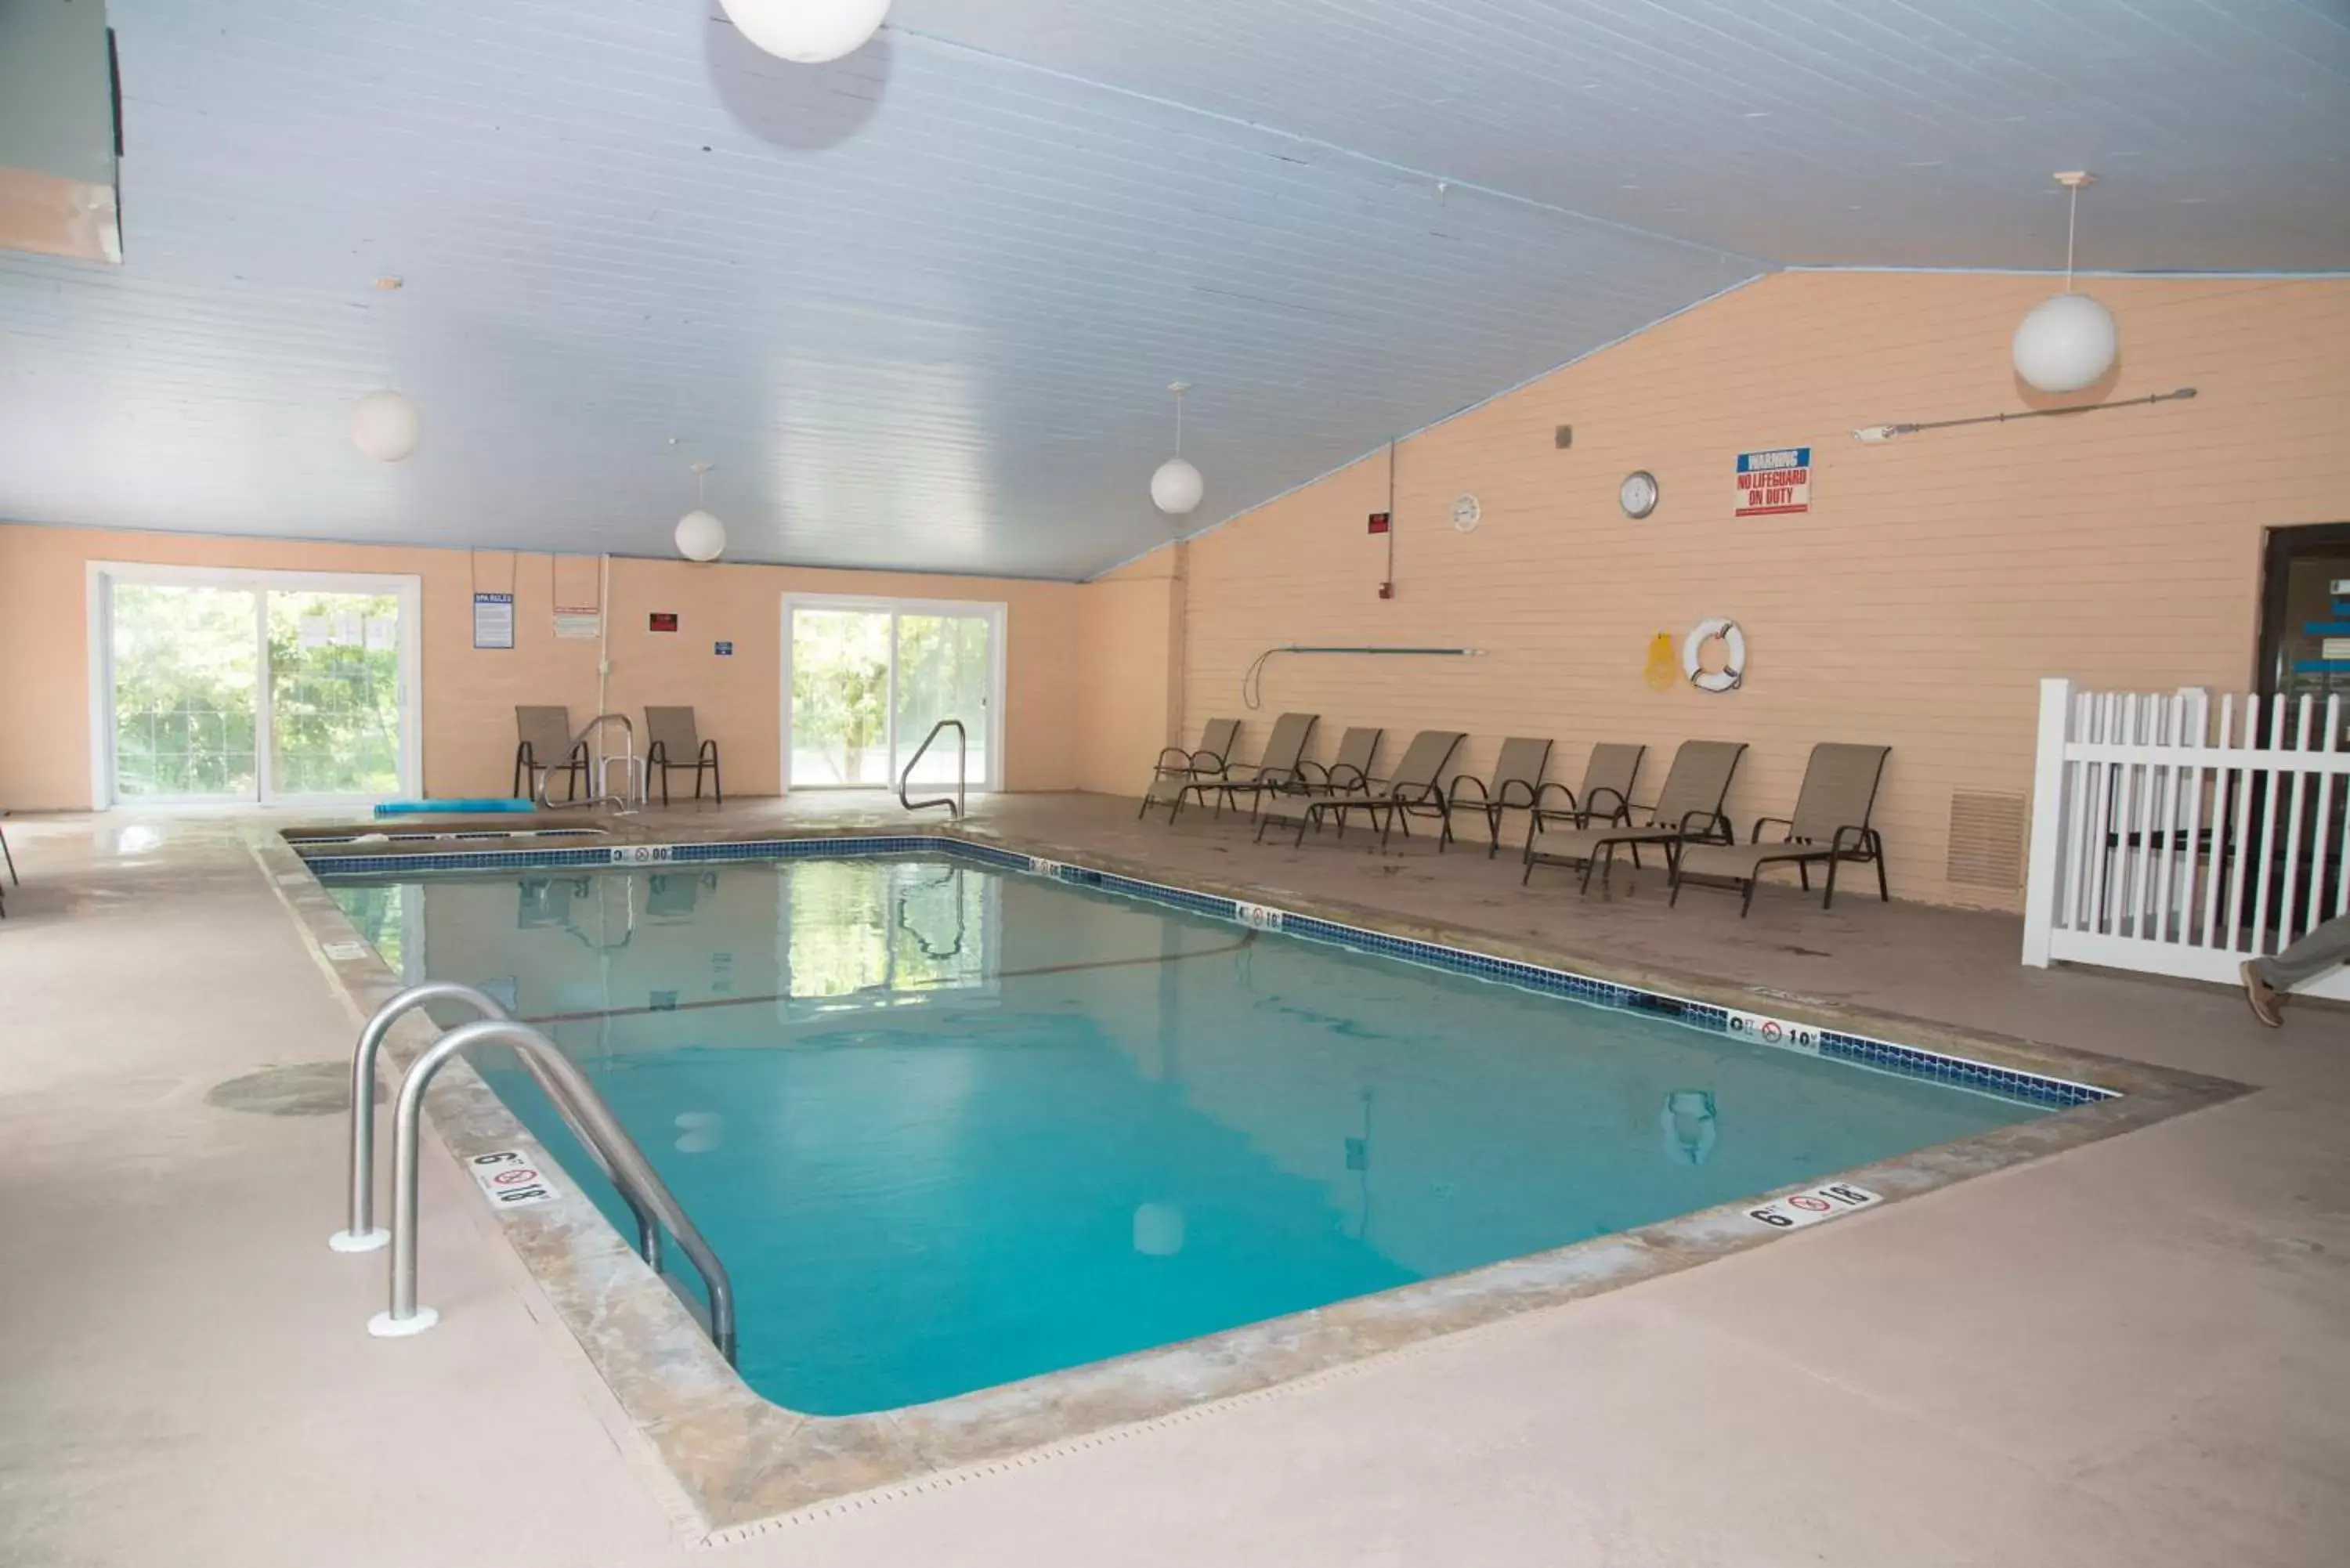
(1700, 634)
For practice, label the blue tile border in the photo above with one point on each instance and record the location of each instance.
(1882, 1055)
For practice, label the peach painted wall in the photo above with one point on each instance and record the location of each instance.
(1130, 704)
(470, 695)
(1935, 579)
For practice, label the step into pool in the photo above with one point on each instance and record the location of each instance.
(952, 1124)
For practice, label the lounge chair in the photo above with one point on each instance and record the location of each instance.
(1516, 785)
(671, 743)
(546, 737)
(11, 858)
(1416, 790)
(1830, 824)
(1349, 771)
(1689, 809)
(1284, 757)
(1606, 795)
(1177, 767)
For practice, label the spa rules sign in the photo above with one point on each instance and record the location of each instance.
(1774, 481)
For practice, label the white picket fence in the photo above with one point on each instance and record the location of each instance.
(2181, 835)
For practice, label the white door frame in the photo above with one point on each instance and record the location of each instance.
(103, 575)
(992, 611)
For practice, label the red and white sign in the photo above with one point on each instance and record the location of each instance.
(1798, 1210)
(1779, 1031)
(510, 1178)
(1770, 482)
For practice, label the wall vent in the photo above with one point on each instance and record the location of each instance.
(1986, 841)
(1563, 437)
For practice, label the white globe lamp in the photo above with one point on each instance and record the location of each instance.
(2067, 343)
(807, 32)
(2069, 339)
(1177, 487)
(385, 426)
(701, 537)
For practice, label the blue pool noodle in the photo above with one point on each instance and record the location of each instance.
(430, 808)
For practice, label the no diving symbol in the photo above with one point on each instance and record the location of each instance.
(514, 1178)
(1806, 1201)
(1772, 1032)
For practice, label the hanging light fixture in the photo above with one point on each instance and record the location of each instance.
(386, 426)
(807, 32)
(1176, 487)
(2069, 339)
(701, 537)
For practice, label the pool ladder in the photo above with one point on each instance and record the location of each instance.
(632, 769)
(575, 1099)
(962, 760)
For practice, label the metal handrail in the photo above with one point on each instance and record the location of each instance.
(603, 1132)
(600, 771)
(362, 1234)
(962, 762)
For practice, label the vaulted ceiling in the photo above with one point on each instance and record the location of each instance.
(921, 307)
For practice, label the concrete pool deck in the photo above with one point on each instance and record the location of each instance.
(2136, 1351)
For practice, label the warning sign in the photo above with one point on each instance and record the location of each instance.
(509, 1178)
(1774, 481)
(1798, 1210)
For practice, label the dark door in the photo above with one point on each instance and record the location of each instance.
(2306, 651)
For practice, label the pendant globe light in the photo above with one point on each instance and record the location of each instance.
(386, 426)
(2069, 339)
(1177, 487)
(701, 537)
(807, 32)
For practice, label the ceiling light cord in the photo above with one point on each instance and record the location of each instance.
(2072, 222)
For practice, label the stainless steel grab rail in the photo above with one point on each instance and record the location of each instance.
(362, 1234)
(962, 762)
(601, 770)
(630, 1167)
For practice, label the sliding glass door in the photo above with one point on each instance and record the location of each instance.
(226, 686)
(867, 680)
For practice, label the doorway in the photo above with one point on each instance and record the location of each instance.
(225, 687)
(2305, 612)
(866, 680)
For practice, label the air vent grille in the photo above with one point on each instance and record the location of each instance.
(1986, 841)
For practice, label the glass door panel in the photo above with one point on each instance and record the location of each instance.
(185, 665)
(945, 669)
(840, 698)
(334, 694)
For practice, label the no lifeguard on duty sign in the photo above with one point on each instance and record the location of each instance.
(1773, 482)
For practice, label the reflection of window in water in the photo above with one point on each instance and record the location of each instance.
(375, 911)
(886, 926)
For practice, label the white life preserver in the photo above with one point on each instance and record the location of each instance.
(1700, 634)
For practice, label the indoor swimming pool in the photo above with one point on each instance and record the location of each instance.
(950, 1124)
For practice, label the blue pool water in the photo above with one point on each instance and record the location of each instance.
(950, 1126)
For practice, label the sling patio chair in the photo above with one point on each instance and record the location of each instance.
(1416, 790)
(1830, 824)
(1689, 809)
(1177, 768)
(1349, 774)
(672, 743)
(1516, 785)
(547, 747)
(1606, 795)
(1282, 766)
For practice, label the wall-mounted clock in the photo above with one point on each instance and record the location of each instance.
(1637, 493)
(1466, 512)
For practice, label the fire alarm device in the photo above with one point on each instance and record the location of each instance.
(664, 620)
(1379, 522)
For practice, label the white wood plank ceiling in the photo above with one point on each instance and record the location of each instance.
(921, 307)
